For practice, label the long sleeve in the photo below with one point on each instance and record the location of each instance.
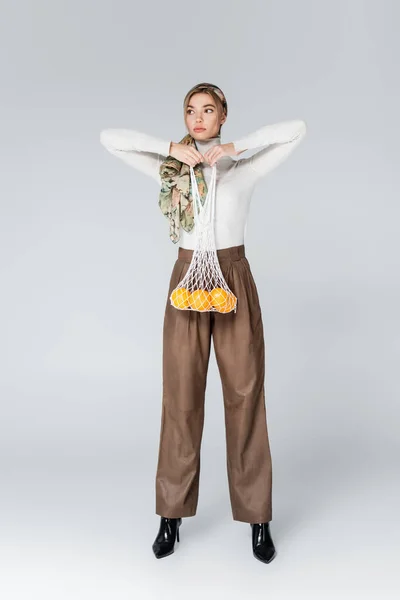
(137, 149)
(280, 140)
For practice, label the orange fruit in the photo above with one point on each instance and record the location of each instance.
(200, 300)
(218, 297)
(228, 305)
(180, 298)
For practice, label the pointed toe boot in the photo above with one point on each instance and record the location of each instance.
(263, 546)
(167, 534)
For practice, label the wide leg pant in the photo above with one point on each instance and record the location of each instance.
(239, 349)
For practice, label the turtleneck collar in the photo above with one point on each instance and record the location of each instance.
(204, 145)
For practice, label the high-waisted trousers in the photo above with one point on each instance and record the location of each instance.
(238, 340)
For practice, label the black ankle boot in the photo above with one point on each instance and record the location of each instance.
(263, 546)
(169, 531)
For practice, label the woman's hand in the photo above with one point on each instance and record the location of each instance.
(186, 154)
(219, 150)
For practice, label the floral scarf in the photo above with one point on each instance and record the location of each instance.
(176, 200)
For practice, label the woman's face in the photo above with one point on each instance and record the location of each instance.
(203, 118)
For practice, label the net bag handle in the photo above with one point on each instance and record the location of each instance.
(201, 212)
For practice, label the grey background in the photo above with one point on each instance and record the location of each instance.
(85, 264)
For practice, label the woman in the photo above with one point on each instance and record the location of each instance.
(238, 337)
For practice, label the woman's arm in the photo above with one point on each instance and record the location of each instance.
(139, 150)
(280, 138)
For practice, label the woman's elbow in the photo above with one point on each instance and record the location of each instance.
(302, 128)
(105, 138)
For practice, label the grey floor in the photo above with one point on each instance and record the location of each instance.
(84, 530)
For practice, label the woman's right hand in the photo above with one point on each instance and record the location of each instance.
(186, 154)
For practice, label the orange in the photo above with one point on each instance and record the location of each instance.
(200, 300)
(180, 298)
(218, 297)
(229, 304)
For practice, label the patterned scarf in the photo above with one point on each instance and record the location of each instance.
(176, 200)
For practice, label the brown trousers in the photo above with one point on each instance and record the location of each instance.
(239, 349)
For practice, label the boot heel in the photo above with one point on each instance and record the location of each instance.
(177, 533)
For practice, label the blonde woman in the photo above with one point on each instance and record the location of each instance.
(238, 338)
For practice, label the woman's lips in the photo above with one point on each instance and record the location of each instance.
(199, 128)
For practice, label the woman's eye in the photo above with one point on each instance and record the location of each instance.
(190, 110)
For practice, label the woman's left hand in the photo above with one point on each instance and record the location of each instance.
(219, 150)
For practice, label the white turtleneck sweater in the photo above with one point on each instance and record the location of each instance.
(235, 178)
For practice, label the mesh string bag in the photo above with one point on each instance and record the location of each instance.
(203, 287)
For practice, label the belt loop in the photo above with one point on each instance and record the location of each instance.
(237, 252)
